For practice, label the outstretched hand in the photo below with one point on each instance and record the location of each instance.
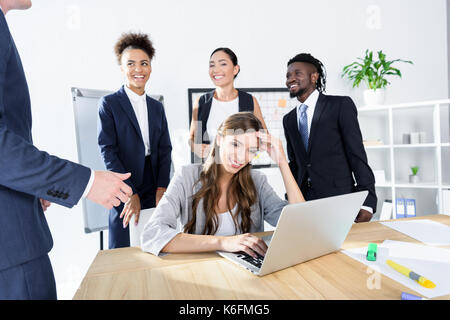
(109, 189)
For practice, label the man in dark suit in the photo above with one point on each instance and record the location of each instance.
(324, 142)
(31, 179)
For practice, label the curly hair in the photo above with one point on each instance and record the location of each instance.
(134, 41)
(307, 58)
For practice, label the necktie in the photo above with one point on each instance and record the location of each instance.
(303, 125)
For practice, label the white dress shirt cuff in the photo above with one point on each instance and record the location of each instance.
(89, 185)
(368, 209)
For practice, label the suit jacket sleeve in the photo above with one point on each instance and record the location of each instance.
(355, 152)
(164, 154)
(26, 169)
(290, 151)
(107, 140)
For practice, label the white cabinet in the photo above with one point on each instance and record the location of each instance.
(385, 127)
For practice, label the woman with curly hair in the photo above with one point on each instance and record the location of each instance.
(133, 135)
(221, 202)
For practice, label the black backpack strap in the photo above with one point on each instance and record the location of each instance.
(204, 109)
(245, 101)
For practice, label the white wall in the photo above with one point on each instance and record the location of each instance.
(448, 42)
(70, 43)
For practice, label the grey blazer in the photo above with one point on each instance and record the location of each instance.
(177, 204)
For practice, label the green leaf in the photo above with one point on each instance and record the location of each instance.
(370, 71)
(395, 72)
(381, 56)
(377, 65)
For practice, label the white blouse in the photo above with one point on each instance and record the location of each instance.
(226, 224)
(220, 110)
(139, 104)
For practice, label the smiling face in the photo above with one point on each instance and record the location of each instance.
(301, 79)
(237, 150)
(135, 65)
(221, 69)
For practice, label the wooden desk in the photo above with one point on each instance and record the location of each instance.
(129, 273)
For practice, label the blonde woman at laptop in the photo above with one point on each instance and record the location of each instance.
(221, 202)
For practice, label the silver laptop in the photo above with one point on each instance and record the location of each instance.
(304, 231)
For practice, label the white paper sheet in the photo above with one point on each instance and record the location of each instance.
(429, 232)
(430, 262)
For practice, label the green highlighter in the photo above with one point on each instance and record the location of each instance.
(372, 252)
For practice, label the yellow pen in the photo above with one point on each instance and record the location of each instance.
(257, 156)
(411, 274)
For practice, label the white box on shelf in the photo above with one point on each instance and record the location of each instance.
(415, 137)
(446, 201)
(380, 177)
(386, 210)
(423, 137)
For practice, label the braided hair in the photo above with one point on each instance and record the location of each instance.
(308, 58)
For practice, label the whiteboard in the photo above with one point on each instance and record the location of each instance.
(85, 107)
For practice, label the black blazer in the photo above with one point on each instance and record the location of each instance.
(120, 139)
(335, 150)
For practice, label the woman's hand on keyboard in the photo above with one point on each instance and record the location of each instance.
(246, 242)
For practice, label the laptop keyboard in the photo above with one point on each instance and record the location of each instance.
(257, 262)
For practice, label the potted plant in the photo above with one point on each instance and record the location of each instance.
(373, 73)
(414, 178)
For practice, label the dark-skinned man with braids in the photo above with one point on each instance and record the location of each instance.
(324, 142)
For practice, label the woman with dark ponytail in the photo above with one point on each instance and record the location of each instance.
(212, 108)
(222, 201)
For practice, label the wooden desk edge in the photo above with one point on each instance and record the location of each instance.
(440, 218)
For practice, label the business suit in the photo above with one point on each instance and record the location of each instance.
(335, 151)
(122, 148)
(27, 174)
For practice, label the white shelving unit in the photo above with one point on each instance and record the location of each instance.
(388, 123)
